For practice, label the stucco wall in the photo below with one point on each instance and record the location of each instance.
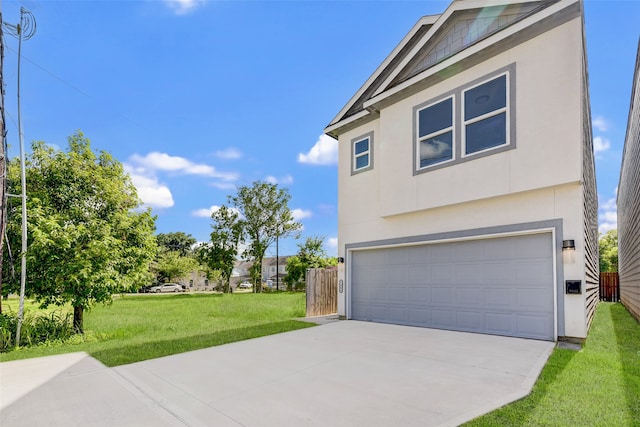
(538, 180)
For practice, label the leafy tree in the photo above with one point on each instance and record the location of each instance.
(177, 241)
(221, 253)
(87, 238)
(264, 215)
(608, 245)
(171, 266)
(310, 255)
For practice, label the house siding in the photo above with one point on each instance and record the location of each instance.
(629, 205)
(590, 204)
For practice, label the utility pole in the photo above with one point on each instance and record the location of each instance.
(25, 29)
(3, 160)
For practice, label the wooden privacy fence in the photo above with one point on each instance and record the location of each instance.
(609, 287)
(322, 291)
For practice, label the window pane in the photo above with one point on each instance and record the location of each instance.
(436, 117)
(487, 133)
(362, 146)
(362, 161)
(485, 98)
(435, 150)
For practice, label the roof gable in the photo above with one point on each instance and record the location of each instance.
(435, 39)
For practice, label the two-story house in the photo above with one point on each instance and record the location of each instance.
(466, 189)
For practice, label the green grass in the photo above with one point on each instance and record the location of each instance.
(141, 327)
(597, 386)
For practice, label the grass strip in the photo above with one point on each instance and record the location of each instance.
(596, 386)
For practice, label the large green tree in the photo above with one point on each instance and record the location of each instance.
(171, 266)
(221, 253)
(608, 245)
(178, 241)
(264, 214)
(87, 235)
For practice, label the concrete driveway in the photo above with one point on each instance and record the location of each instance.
(345, 373)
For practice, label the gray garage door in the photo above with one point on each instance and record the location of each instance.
(501, 286)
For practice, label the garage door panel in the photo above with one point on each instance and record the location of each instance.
(442, 274)
(500, 298)
(500, 272)
(500, 323)
(466, 273)
(534, 326)
(499, 285)
(532, 246)
(443, 318)
(419, 294)
(471, 321)
(473, 297)
(442, 296)
(419, 273)
(535, 272)
(419, 316)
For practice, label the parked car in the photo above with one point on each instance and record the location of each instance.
(167, 287)
(245, 285)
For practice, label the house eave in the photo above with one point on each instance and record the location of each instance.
(570, 7)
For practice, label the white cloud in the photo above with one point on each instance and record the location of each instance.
(600, 145)
(608, 215)
(183, 7)
(600, 123)
(223, 185)
(155, 161)
(332, 242)
(151, 191)
(229, 154)
(205, 212)
(324, 152)
(285, 180)
(299, 214)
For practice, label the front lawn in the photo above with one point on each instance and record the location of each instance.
(597, 386)
(141, 327)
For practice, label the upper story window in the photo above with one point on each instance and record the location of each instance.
(362, 153)
(485, 116)
(435, 133)
(468, 122)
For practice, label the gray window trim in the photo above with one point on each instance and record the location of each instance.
(458, 121)
(369, 136)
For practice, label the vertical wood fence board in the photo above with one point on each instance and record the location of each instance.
(322, 292)
(609, 287)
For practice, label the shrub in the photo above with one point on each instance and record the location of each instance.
(36, 329)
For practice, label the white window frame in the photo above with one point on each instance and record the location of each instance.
(506, 109)
(368, 152)
(451, 129)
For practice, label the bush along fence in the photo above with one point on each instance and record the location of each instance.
(36, 329)
(322, 291)
(609, 287)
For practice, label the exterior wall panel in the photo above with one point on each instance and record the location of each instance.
(629, 205)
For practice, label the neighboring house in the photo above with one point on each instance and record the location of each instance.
(629, 205)
(465, 165)
(241, 271)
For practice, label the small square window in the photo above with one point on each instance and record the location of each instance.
(435, 134)
(362, 153)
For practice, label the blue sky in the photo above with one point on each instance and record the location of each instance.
(196, 97)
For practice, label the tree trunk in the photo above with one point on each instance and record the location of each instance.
(78, 317)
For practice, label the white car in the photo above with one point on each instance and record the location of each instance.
(245, 285)
(166, 287)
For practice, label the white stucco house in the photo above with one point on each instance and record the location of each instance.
(465, 166)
